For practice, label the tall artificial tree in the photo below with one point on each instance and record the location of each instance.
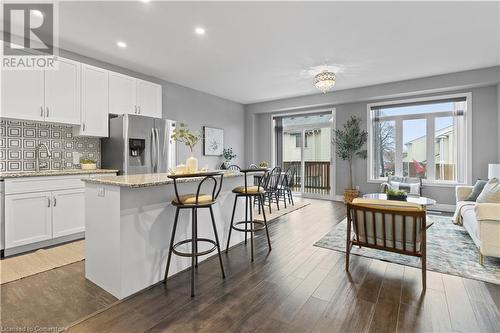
(349, 141)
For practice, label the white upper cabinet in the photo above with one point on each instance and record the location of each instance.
(62, 93)
(122, 94)
(43, 95)
(94, 111)
(149, 99)
(134, 96)
(23, 95)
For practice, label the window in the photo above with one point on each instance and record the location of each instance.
(425, 138)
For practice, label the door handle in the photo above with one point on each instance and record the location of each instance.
(157, 134)
(55, 201)
(153, 150)
(47, 111)
(41, 111)
(48, 202)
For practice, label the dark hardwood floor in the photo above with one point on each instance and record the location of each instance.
(300, 288)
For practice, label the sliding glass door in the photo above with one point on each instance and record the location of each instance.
(303, 143)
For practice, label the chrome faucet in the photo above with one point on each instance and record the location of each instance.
(37, 154)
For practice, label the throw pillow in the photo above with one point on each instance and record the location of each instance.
(491, 192)
(476, 191)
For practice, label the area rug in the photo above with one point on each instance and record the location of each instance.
(21, 266)
(283, 211)
(450, 250)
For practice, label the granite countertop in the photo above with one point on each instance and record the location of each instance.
(44, 173)
(148, 179)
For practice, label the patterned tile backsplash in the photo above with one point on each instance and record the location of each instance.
(18, 140)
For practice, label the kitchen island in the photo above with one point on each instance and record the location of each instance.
(129, 219)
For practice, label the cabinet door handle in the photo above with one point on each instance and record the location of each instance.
(41, 111)
(48, 202)
(139, 109)
(83, 129)
(135, 107)
(47, 111)
(55, 201)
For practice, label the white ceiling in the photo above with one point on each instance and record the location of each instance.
(263, 50)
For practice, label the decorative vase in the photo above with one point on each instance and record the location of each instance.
(350, 194)
(192, 164)
(223, 166)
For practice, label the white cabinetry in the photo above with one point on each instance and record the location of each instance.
(68, 212)
(77, 94)
(128, 95)
(148, 99)
(94, 112)
(121, 94)
(30, 218)
(62, 93)
(50, 95)
(22, 94)
(43, 211)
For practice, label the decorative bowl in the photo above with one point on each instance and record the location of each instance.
(88, 166)
(396, 197)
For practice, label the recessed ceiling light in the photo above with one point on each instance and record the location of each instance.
(121, 44)
(199, 31)
(146, 1)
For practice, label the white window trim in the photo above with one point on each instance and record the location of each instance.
(468, 139)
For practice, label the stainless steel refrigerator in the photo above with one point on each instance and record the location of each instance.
(138, 145)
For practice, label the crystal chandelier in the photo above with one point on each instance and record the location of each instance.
(324, 81)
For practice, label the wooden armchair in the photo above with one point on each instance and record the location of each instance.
(385, 225)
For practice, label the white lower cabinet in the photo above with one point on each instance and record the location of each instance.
(43, 211)
(31, 217)
(68, 212)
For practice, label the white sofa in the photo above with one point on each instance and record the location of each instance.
(481, 220)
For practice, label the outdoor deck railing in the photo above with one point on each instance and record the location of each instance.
(316, 176)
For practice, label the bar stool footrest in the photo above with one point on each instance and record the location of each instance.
(196, 254)
(261, 224)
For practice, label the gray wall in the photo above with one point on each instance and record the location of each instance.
(498, 142)
(194, 108)
(485, 114)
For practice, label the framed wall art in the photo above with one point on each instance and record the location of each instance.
(213, 141)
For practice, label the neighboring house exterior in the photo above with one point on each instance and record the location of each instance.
(317, 145)
(415, 150)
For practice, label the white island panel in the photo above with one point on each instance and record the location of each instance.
(129, 231)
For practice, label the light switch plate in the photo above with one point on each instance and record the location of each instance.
(76, 157)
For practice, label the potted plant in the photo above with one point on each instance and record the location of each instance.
(398, 195)
(227, 155)
(349, 141)
(88, 164)
(264, 165)
(190, 138)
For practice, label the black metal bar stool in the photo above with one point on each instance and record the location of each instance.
(249, 193)
(194, 202)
